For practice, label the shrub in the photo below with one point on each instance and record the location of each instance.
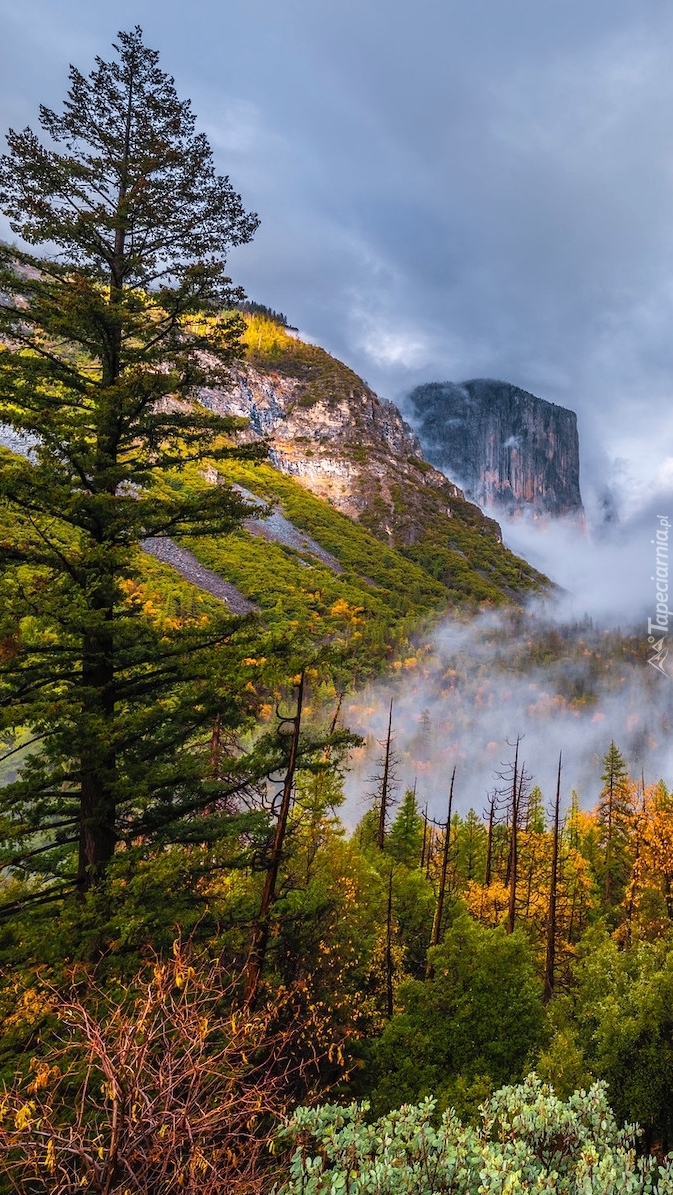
(528, 1140)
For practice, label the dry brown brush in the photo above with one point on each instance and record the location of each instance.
(168, 1086)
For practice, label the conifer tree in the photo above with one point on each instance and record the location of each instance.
(405, 838)
(105, 348)
(471, 847)
(615, 809)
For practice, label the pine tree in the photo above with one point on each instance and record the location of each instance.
(471, 847)
(105, 349)
(405, 838)
(615, 810)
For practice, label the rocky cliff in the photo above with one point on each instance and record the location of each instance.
(506, 447)
(354, 450)
(327, 429)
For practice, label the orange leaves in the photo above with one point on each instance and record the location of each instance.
(650, 893)
(44, 1075)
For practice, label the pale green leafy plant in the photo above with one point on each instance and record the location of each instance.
(527, 1140)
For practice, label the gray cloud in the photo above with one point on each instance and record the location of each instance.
(447, 191)
(467, 686)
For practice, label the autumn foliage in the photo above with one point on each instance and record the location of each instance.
(169, 1085)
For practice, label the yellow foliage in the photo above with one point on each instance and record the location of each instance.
(33, 1005)
(44, 1075)
(24, 1117)
(342, 609)
(487, 904)
(50, 1157)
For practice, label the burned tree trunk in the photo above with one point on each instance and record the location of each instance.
(385, 784)
(441, 893)
(550, 958)
(489, 843)
(256, 957)
(425, 836)
(512, 864)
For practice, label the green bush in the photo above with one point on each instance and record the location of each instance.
(527, 1140)
(477, 1018)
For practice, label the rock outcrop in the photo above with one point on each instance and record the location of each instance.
(327, 430)
(351, 448)
(506, 447)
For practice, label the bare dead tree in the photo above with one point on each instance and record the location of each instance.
(516, 780)
(260, 938)
(436, 933)
(550, 957)
(492, 801)
(385, 797)
(384, 782)
(441, 891)
(425, 836)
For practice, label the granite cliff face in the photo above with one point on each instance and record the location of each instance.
(331, 433)
(507, 447)
(347, 446)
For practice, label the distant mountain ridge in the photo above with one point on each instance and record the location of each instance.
(505, 446)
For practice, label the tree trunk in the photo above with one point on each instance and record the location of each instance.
(513, 849)
(260, 937)
(489, 844)
(385, 784)
(425, 836)
(550, 958)
(97, 813)
(439, 907)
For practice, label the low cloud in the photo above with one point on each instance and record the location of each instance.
(464, 696)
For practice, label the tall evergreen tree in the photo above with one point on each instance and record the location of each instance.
(105, 348)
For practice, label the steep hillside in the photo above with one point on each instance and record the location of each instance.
(328, 430)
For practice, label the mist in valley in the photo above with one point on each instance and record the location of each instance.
(570, 673)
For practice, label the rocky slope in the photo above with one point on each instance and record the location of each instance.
(506, 446)
(330, 432)
(326, 428)
(352, 449)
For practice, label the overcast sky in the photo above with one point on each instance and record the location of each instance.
(448, 188)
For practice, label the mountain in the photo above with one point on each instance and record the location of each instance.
(328, 431)
(507, 447)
